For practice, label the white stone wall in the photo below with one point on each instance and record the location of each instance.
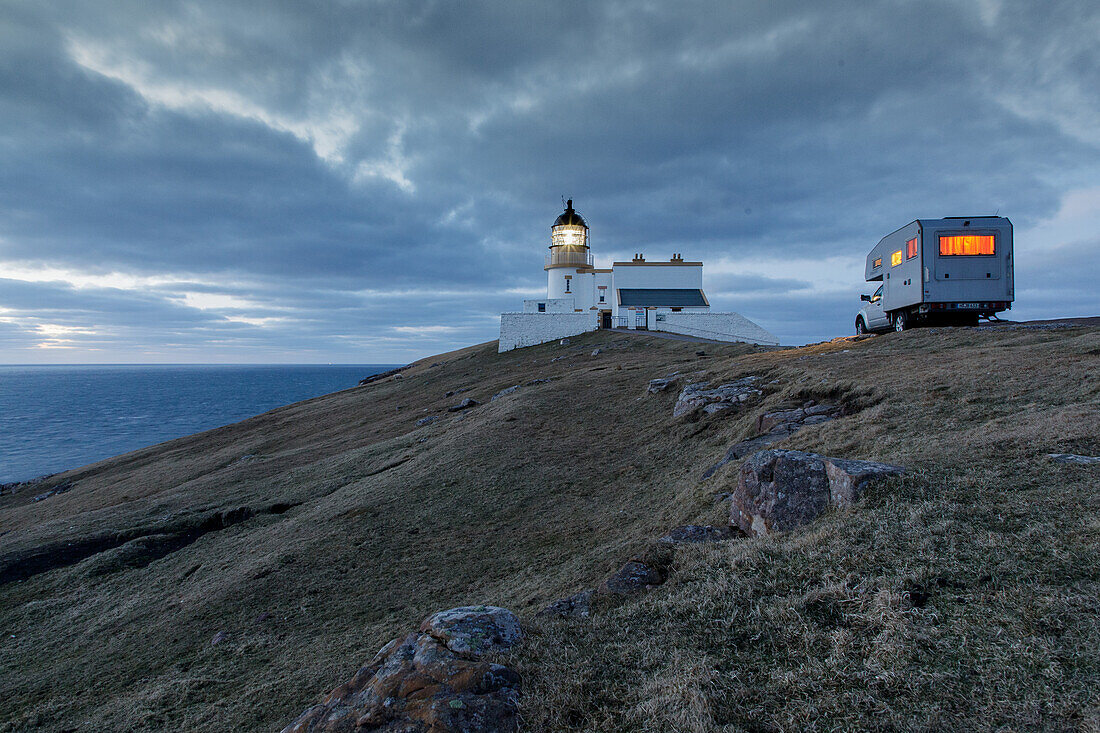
(528, 329)
(716, 326)
(553, 305)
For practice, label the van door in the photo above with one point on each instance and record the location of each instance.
(876, 316)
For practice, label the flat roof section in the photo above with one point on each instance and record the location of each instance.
(677, 297)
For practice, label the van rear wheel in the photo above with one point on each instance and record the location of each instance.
(901, 321)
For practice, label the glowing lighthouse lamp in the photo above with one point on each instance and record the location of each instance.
(569, 256)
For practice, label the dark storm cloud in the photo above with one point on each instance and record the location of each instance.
(335, 177)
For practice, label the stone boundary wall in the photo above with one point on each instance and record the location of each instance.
(529, 329)
(716, 326)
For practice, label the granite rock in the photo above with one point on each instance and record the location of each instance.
(779, 490)
(418, 683)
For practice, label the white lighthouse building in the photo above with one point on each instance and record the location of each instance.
(656, 296)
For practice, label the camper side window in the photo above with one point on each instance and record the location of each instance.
(877, 263)
(967, 244)
(911, 248)
(895, 259)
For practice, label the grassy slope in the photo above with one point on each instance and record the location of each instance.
(965, 593)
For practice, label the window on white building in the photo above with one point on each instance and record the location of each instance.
(542, 307)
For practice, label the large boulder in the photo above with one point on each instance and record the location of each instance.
(474, 629)
(779, 490)
(419, 683)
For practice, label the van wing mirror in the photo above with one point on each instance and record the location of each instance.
(865, 297)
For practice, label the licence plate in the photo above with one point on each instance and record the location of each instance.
(968, 305)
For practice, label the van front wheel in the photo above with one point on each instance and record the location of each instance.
(861, 327)
(901, 321)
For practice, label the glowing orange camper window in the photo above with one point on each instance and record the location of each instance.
(878, 262)
(911, 248)
(967, 244)
(895, 259)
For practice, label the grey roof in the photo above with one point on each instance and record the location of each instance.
(662, 296)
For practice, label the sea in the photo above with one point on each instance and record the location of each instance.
(54, 418)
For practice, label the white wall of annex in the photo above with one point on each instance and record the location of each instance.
(650, 275)
(715, 326)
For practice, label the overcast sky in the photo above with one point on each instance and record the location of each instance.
(338, 181)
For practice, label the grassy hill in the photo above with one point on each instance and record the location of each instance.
(966, 593)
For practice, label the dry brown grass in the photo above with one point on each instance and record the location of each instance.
(962, 595)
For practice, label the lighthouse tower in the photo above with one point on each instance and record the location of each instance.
(569, 264)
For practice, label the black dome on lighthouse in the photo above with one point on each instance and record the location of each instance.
(570, 217)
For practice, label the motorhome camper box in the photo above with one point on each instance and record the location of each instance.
(951, 270)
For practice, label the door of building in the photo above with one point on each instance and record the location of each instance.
(605, 319)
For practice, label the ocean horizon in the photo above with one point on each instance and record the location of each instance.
(56, 417)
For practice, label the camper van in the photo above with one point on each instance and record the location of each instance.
(949, 271)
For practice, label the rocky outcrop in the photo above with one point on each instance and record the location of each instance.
(59, 489)
(504, 393)
(429, 682)
(779, 490)
(136, 547)
(33, 484)
(700, 395)
(633, 577)
(391, 373)
(639, 574)
(466, 404)
(776, 426)
(788, 421)
(1073, 458)
(737, 451)
(426, 420)
(578, 605)
(662, 383)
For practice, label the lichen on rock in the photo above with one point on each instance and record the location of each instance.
(430, 681)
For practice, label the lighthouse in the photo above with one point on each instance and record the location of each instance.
(664, 295)
(570, 259)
